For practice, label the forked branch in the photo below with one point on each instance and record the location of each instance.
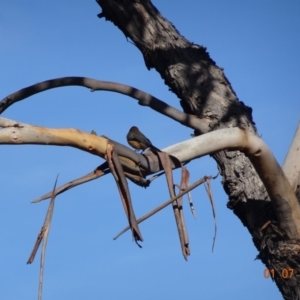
(279, 189)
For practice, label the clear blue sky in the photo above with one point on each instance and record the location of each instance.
(256, 42)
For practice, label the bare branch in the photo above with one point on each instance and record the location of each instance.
(144, 99)
(45, 228)
(98, 172)
(43, 236)
(212, 202)
(279, 190)
(45, 240)
(14, 132)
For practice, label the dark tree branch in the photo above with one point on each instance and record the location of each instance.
(98, 85)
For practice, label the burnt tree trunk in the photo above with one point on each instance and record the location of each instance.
(204, 91)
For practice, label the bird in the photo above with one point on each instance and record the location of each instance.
(138, 140)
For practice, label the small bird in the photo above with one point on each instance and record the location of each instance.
(138, 141)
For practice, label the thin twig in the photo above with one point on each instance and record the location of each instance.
(45, 240)
(208, 189)
(43, 235)
(98, 172)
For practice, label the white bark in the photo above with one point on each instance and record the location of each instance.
(291, 165)
(278, 187)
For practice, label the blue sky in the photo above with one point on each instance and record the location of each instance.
(257, 43)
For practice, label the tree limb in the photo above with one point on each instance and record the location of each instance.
(291, 165)
(281, 193)
(279, 189)
(98, 85)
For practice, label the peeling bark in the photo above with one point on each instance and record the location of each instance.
(204, 91)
